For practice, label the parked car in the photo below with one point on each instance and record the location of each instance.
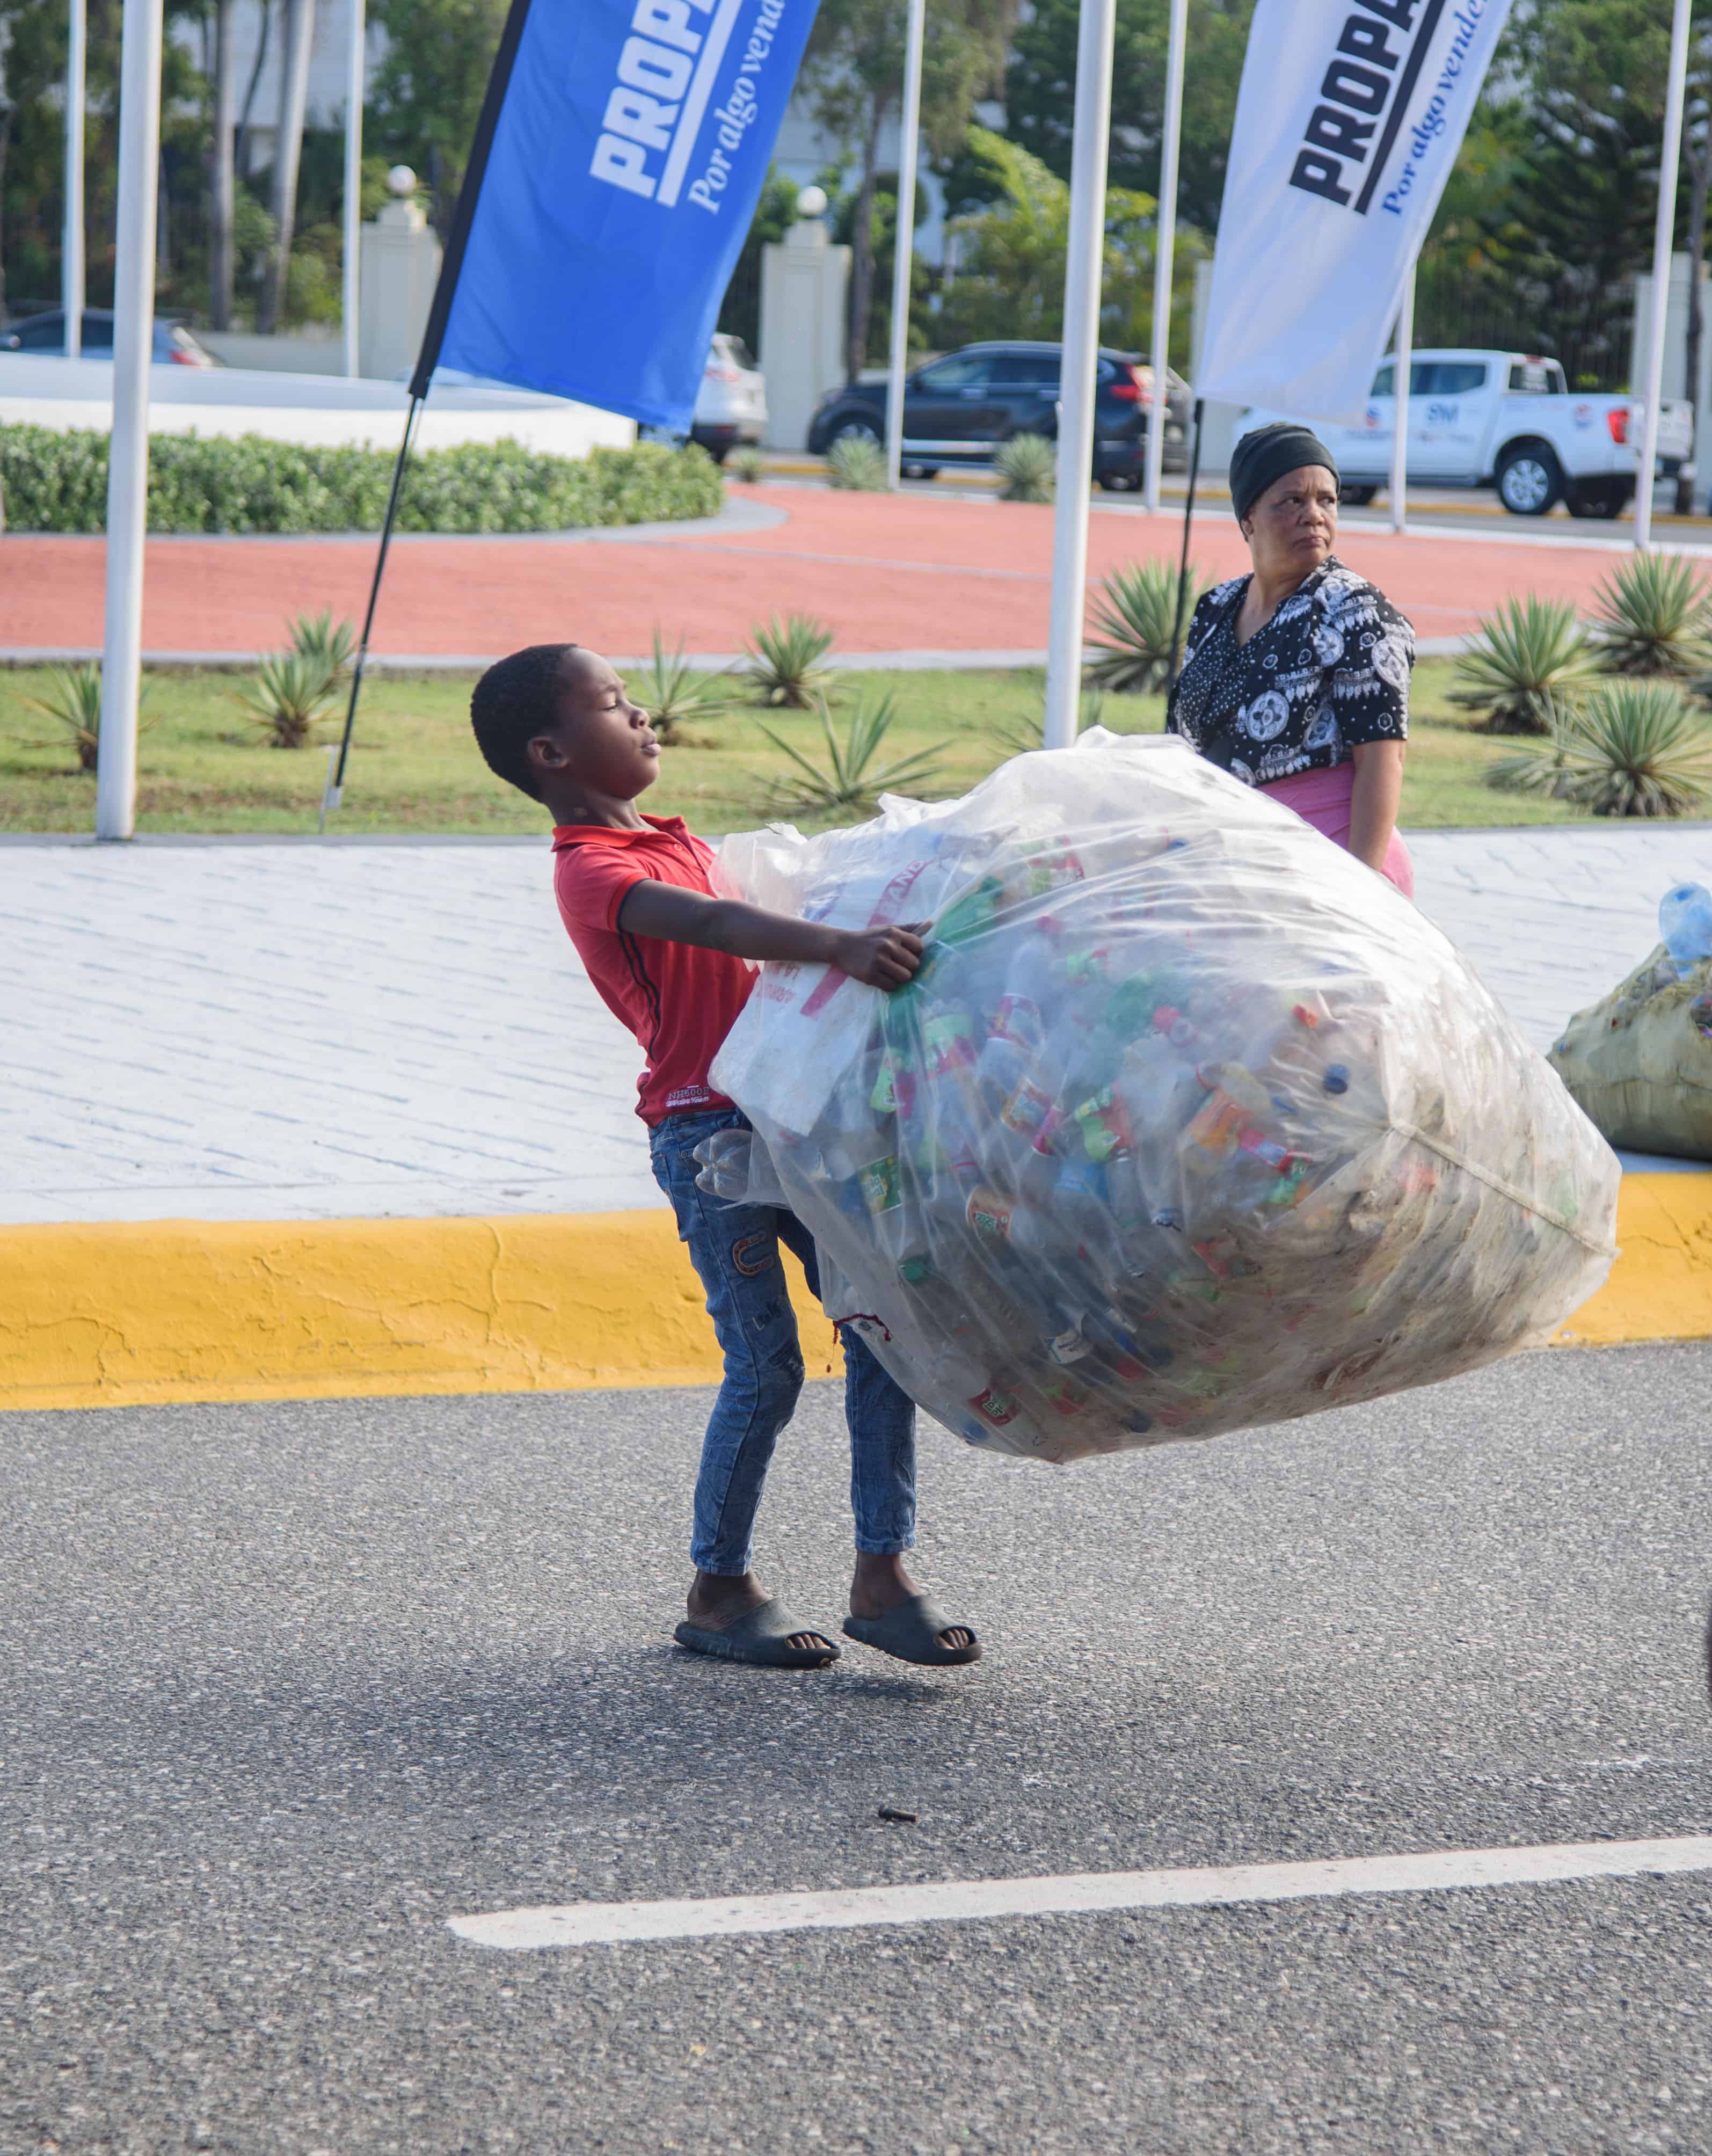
(174, 344)
(731, 406)
(957, 410)
(1505, 420)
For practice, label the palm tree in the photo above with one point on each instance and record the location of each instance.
(223, 207)
(288, 152)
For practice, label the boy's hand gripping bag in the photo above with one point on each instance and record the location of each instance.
(1189, 1121)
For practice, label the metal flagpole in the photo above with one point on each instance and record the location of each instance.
(1091, 126)
(432, 337)
(71, 244)
(1165, 250)
(904, 247)
(355, 86)
(1402, 371)
(1663, 232)
(1183, 563)
(128, 450)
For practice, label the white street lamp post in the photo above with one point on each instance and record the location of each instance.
(71, 244)
(1091, 124)
(355, 86)
(903, 251)
(128, 458)
(1663, 233)
(1402, 369)
(1165, 250)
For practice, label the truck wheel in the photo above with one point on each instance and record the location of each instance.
(1356, 497)
(1596, 497)
(1529, 480)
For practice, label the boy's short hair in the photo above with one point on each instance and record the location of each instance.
(510, 704)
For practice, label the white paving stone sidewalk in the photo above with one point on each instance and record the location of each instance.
(258, 1031)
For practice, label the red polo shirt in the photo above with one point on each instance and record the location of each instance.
(678, 999)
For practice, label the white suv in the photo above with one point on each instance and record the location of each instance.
(731, 406)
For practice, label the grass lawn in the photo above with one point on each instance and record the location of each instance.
(204, 766)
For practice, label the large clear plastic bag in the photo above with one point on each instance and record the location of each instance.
(1189, 1121)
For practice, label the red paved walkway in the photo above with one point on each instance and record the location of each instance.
(887, 575)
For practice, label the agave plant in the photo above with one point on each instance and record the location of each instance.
(672, 690)
(292, 689)
(1021, 736)
(1028, 468)
(1530, 656)
(1136, 621)
(847, 780)
(1652, 618)
(329, 643)
(746, 465)
(856, 464)
(784, 661)
(1634, 749)
(73, 699)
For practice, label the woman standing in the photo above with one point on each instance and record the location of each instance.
(1296, 676)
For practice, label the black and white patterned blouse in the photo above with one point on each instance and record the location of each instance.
(1330, 671)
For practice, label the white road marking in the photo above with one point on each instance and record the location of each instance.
(952, 1901)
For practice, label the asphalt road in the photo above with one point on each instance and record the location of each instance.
(285, 1687)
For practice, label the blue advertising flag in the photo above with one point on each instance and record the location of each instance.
(626, 161)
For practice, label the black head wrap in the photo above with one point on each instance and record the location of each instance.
(1260, 459)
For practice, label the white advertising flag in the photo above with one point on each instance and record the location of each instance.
(1349, 119)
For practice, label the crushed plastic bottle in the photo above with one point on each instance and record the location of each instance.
(1188, 1122)
(1685, 926)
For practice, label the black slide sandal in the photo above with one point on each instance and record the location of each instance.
(912, 1631)
(761, 1637)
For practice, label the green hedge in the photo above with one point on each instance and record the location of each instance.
(56, 482)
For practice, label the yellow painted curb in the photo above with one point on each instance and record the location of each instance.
(126, 1314)
(1661, 1286)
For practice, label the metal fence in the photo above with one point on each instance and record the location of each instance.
(1590, 332)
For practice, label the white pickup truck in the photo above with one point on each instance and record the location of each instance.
(1502, 420)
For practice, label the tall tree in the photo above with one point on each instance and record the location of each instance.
(426, 92)
(1011, 254)
(1591, 78)
(854, 72)
(223, 176)
(288, 156)
(1040, 94)
(32, 39)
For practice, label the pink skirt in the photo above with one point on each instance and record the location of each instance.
(1323, 799)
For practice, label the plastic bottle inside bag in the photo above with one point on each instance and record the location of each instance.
(1685, 925)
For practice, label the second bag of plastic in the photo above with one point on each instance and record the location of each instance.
(1189, 1121)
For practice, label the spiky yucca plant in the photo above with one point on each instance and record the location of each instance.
(1633, 749)
(857, 464)
(672, 690)
(1028, 468)
(1021, 736)
(1531, 654)
(1652, 618)
(1136, 619)
(846, 780)
(784, 661)
(746, 465)
(291, 691)
(73, 699)
(329, 643)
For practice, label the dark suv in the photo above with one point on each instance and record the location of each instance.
(958, 409)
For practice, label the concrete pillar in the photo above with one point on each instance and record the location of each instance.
(401, 265)
(1676, 349)
(805, 284)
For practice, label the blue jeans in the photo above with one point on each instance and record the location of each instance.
(734, 1250)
